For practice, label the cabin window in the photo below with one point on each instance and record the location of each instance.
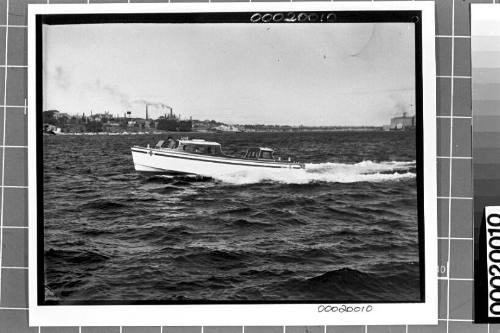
(197, 149)
(213, 150)
(202, 149)
(191, 148)
(266, 155)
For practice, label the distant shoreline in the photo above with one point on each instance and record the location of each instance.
(213, 132)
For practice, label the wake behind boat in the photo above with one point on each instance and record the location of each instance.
(205, 158)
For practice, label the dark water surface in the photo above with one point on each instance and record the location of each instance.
(343, 229)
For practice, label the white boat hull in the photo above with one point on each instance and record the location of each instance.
(168, 160)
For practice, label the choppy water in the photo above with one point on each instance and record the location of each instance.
(345, 228)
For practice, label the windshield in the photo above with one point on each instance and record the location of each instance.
(268, 155)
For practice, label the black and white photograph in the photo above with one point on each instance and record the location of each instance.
(256, 157)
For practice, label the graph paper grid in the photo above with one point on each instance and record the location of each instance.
(455, 233)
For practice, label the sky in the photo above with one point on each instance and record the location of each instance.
(340, 74)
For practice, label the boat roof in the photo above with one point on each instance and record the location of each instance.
(261, 148)
(199, 142)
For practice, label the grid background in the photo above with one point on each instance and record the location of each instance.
(454, 164)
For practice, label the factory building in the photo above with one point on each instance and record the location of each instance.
(402, 122)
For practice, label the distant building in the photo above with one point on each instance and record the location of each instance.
(172, 122)
(111, 127)
(140, 123)
(75, 128)
(227, 128)
(52, 113)
(50, 116)
(402, 122)
(51, 129)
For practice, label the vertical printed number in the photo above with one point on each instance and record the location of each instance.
(493, 248)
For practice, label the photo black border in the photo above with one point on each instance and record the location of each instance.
(379, 16)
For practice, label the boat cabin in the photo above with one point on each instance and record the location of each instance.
(194, 146)
(202, 147)
(260, 153)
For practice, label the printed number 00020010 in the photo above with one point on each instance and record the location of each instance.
(344, 308)
(493, 248)
(292, 17)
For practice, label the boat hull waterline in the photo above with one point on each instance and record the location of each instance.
(170, 160)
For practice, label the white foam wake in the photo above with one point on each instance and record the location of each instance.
(366, 171)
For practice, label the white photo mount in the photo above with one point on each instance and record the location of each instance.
(425, 312)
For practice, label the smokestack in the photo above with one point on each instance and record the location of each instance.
(146, 112)
(170, 112)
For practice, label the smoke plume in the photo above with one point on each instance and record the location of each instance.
(61, 78)
(151, 103)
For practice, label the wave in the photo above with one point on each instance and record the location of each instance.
(365, 171)
(75, 256)
(389, 282)
(165, 189)
(175, 179)
(102, 205)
